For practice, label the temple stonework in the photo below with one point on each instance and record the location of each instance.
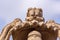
(33, 28)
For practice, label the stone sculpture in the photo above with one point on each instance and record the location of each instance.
(34, 35)
(34, 24)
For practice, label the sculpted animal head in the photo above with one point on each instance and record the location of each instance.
(34, 12)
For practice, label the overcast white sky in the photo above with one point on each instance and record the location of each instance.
(11, 9)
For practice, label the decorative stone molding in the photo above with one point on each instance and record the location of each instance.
(34, 23)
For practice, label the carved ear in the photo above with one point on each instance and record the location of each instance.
(28, 11)
(40, 12)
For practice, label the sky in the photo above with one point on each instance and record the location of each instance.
(11, 9)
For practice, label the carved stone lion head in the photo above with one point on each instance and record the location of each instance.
(34, 12)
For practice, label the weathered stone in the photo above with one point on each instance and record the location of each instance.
(34, 35)
(34, 24)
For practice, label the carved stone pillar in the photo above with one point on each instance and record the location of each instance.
(34, 35)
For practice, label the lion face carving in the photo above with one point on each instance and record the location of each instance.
(34, 14)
